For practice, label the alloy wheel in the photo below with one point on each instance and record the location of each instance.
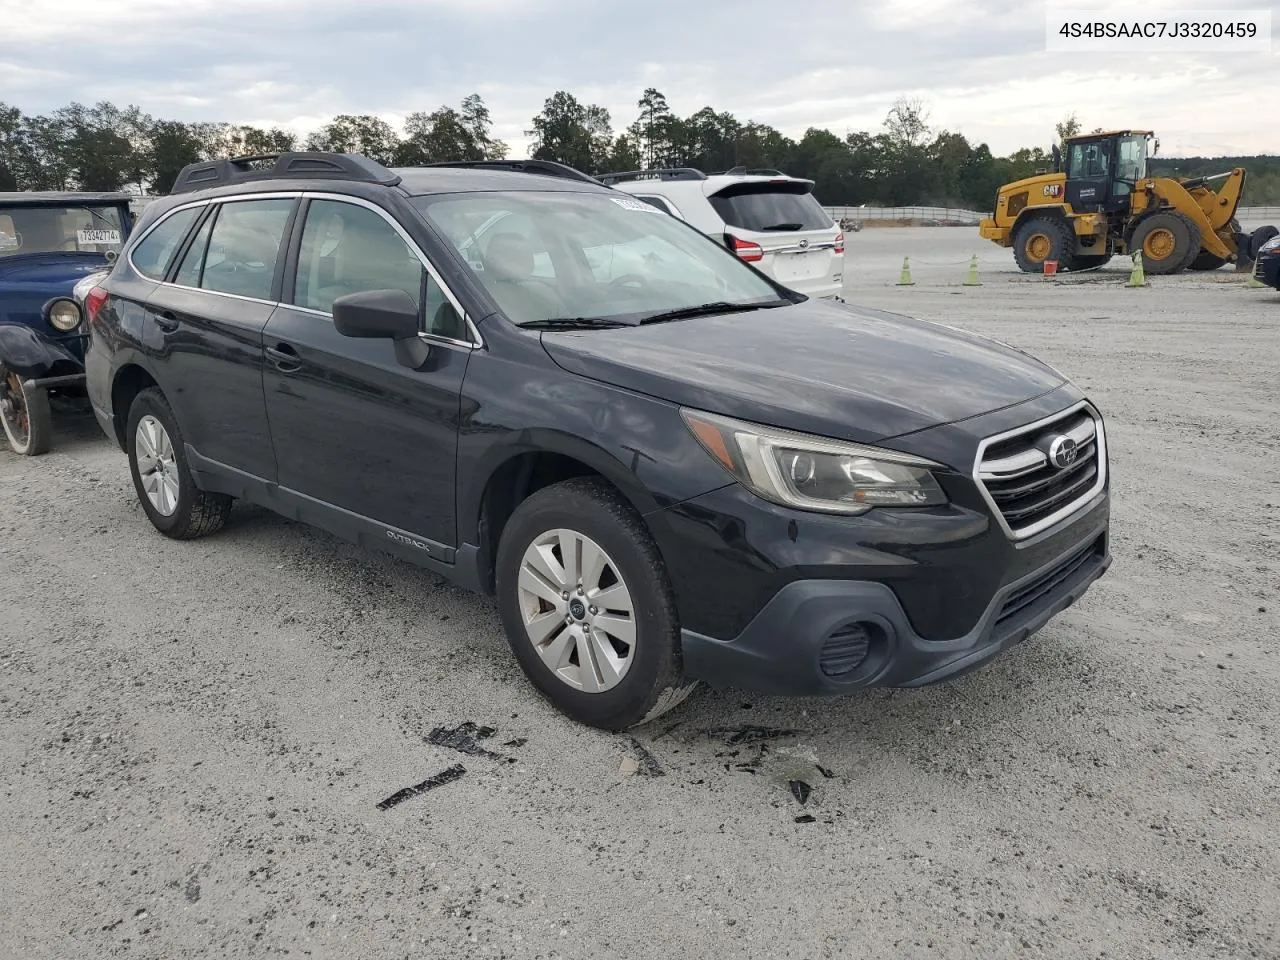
(577, 610)
(157, 465)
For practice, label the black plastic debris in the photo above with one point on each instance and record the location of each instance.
(800, 790)
(824, 771)
(463, 738)
(734, 736)
(517, 742)
(806, 818)
(647, 764)
(447, 775)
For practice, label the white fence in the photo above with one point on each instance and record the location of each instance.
(943, 215)
(952, 216)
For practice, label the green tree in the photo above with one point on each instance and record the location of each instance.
(448, 134)
(173, 145)
(364, 134)
(572, 133)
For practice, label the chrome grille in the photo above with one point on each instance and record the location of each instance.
(1022, 484)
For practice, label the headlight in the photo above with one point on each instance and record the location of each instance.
(815, 473)
(63, 314)
(1271, 246)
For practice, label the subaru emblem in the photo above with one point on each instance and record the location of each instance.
(1062, 452)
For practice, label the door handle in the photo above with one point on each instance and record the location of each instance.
(284, 358)
(167, 321)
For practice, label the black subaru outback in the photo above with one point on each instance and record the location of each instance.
(666, 467)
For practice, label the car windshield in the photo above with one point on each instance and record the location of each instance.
(59, 229)
(578, 257)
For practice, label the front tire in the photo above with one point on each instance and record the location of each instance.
(587, 606)
(28, 421)
(1169, 242)
(162, 477)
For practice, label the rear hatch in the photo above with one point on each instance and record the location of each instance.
(777, 224)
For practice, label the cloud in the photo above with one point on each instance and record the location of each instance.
(980, 65)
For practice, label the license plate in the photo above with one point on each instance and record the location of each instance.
(88, 237)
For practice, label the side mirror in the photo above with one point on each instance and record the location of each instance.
(383, 315)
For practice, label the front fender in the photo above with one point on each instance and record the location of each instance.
(28, 354)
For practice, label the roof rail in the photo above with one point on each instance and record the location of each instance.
(280, 166)
(658, 173)
(549, 168)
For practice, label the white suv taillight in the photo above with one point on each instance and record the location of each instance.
(751, 252)
(839, 243)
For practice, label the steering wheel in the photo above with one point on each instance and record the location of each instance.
(632, 279)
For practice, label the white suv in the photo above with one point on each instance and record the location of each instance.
(767, 218)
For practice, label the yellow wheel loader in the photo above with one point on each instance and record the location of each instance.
(1103, 203)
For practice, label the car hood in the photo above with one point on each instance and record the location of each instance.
(817, 366)
(28, 282)
(57, 271)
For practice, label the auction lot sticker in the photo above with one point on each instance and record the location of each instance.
(98, 236)
(1145, 29)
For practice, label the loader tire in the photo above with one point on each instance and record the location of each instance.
(1168, 241)
(1038, 239)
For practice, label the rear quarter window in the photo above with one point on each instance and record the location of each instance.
(770, 206)
(152, 254)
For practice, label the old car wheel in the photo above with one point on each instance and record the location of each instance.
(28, 421)
(587, 607)
(158, 461)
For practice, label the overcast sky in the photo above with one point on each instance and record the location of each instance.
(979, 65)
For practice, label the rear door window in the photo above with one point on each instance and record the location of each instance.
(769, 207)
(244, 246)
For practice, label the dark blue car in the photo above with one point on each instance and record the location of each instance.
(49, 242)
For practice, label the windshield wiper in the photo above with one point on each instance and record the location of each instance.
(706, 309)
(784, 226)
(574, 323)
(96, 215)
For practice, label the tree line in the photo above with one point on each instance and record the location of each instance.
(904, 163)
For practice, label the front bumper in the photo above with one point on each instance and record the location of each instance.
(1267, 269)
(770, 598)
(830, 637)
(989, 230)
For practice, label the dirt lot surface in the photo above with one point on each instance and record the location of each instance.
(198, 735)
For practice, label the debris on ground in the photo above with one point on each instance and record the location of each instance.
(824, 771)
(806, 818)
(734, 736)
(447, 775)
(646, 763)
(800, 790)
(463, 738)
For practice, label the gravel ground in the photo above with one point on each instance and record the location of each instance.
(198, 736)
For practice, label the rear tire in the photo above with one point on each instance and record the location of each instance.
(1168, 241)
(613, 664)
(27, 418)
(162, 477)
(1038, 239)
